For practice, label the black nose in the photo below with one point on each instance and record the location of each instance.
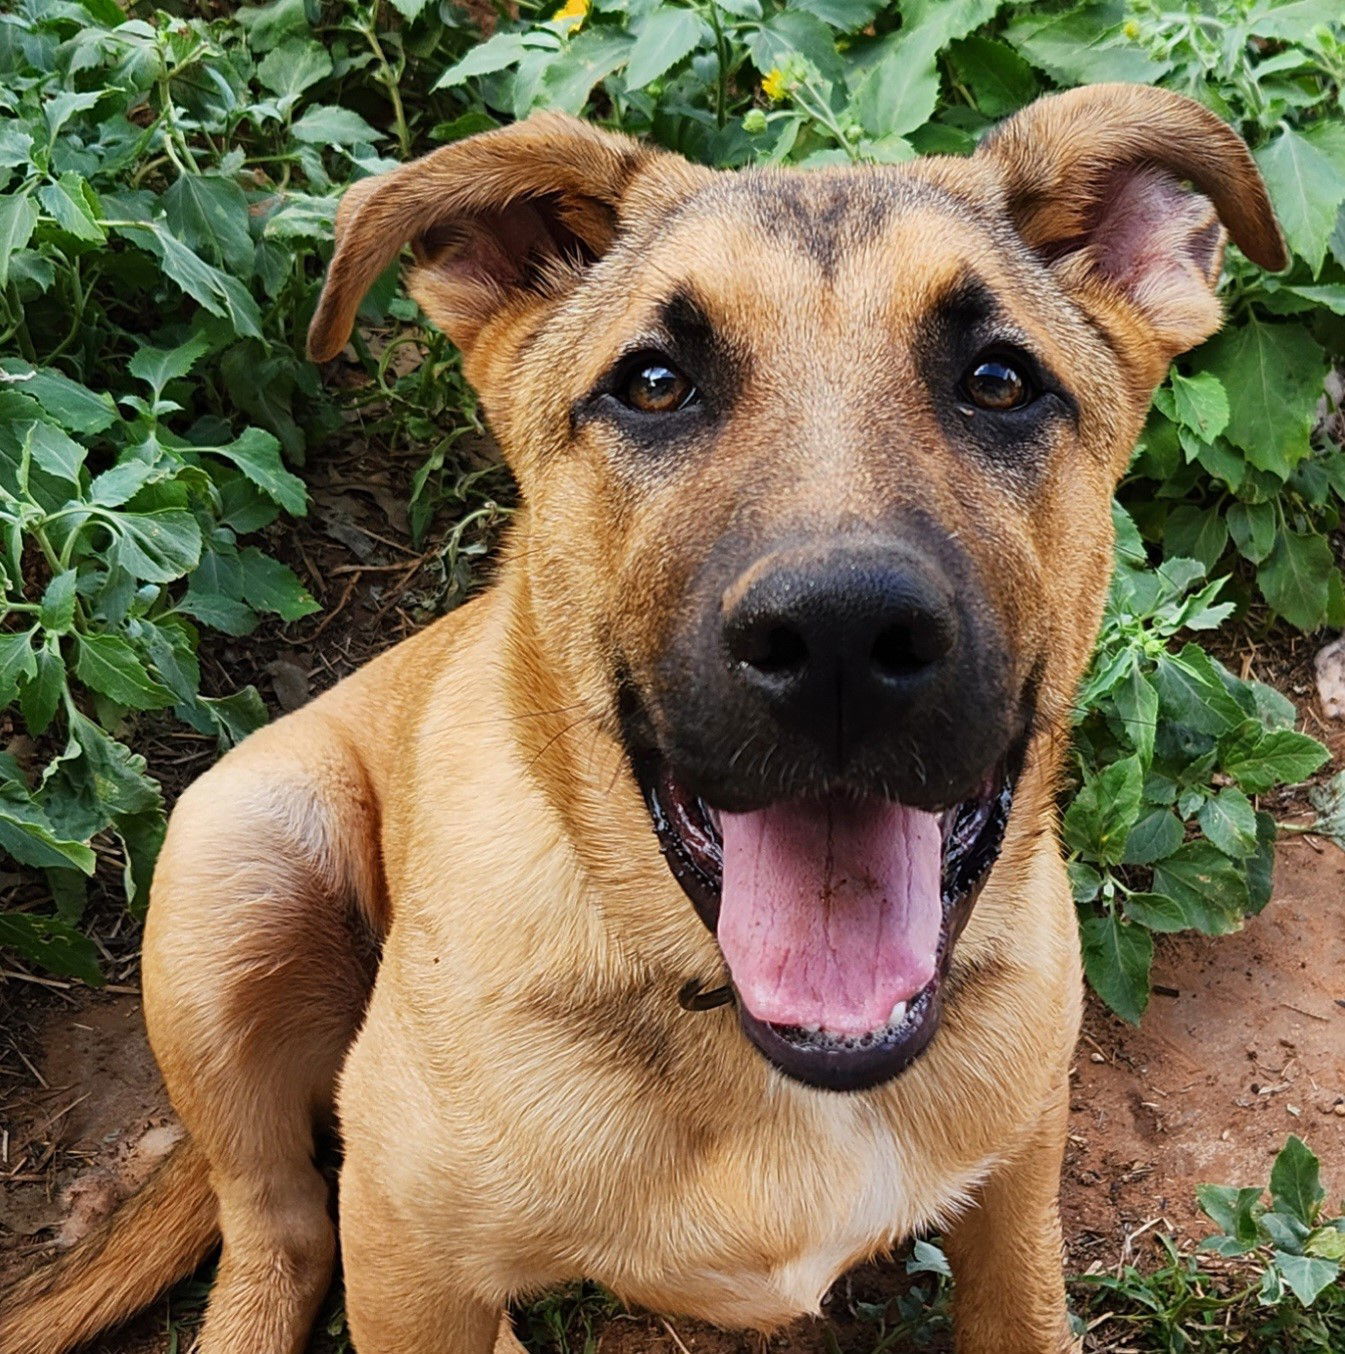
(842, 641)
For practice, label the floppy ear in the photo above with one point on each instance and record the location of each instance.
(494, 219)
(1094, 183)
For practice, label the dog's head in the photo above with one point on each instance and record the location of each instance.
(818, 471)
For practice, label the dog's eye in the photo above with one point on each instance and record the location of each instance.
(998, 383)
(653, 386)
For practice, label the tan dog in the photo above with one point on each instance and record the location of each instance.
(817, 472)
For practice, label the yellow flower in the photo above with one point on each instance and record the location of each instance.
(576, 10)
(773, 86)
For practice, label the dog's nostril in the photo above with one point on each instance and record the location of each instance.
(902, 650)
(776, 650)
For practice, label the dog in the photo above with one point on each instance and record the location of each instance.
(685, 912)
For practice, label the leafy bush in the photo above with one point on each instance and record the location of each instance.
(169, 190)
(169, 184)
(1162, 832)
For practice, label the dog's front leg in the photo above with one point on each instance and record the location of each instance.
(1005, 1251)
(403, 1295)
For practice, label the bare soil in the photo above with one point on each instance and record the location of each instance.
(1243, 1044)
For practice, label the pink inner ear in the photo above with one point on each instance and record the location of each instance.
(1149, 225)
(499, 247)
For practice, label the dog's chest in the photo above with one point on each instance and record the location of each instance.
(755, 1237)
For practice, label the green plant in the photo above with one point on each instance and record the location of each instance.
(169, 185)
(1282, 1295)
(1172, 749)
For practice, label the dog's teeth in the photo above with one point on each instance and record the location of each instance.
(811, 1029)
(898, 1013)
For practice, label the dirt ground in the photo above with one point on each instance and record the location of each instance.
(1243, 1044)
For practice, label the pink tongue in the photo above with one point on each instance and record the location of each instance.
(831, 910)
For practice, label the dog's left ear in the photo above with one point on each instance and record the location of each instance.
(495, 221)
(1094, 184)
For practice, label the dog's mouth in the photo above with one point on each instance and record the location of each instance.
(837, 916)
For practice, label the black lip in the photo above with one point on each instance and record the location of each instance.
(972, 840)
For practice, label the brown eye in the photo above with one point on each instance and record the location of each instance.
(656, 388)
(996, 383)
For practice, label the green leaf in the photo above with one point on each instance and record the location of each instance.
(236, 716)
(210, 214)
(1306, 1275)
(569, 79)
(1281, 757)
(63, 401)
(113, 774)
(123, 481)
(1296, 577)
(1229, 821)
(56, 453)
(16, 145)
(257, 455)
(107, 663)
(1099, 820)
(155, 547)
(1273, 375)
(1157, 911)
(1261, 867)
(219, 293)
(1192, 694)
(53, 944)
(662, 40)
(1330, 295)
(157, 366)
(1326, 1242)
(41, 694)
(16, 661)
(901, 91)
(58, 604)
(1116, 957)
(1293, 21)
(28, 835)
(141, 837)
(497, 53)
(327, 125)
(1158, 834)
(75, 207)
(1209, 887)
(1083, 46)
(410, 10)
(1136, 704)
(1296, 1181)
(1307, 189)
(1200, 403)
(269, 585)
(1234, 1211)
(1192, 532)
(18, 217)
(1001, 82)
(1252, 527)
(294, 66)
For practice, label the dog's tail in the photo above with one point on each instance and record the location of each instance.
(155, 1238)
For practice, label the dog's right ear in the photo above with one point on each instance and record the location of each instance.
(494, 221)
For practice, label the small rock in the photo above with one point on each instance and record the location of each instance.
(1330, 665)
(290, 682)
